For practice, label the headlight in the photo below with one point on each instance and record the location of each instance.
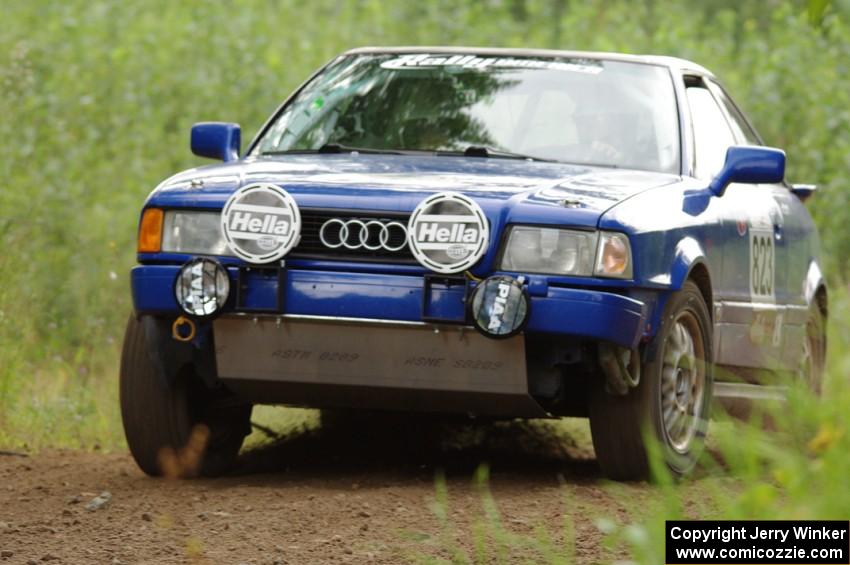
(193, 232)
(550, 250)
(567, 252)
(201, 287)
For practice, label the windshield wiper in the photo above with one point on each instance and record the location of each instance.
(484, 151)
(335, 148)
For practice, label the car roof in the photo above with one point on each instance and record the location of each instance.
(673, 63)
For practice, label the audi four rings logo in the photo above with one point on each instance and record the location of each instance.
(371, 235)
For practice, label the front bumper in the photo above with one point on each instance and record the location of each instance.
(579, 313)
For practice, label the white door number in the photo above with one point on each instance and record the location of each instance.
(762, 263)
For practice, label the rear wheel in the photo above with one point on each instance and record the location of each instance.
(671, 403)
(175, 429)
(813, 359)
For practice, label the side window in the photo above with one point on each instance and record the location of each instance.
(712, 135)
(743, 132)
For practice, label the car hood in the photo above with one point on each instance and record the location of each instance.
(508, 190)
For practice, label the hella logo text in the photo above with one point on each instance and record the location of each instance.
(271, 224)
(438, 232)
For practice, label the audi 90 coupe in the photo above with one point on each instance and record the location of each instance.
(492, 232)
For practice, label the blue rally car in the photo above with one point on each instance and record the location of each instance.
(501, 233)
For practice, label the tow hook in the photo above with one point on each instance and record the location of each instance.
(621, 368)
(183, 329)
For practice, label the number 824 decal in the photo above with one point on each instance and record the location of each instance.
(762, 265)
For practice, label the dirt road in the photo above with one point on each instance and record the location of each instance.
(354, 494)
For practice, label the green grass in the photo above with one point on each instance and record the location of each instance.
(794, 468)
(277, 422)
(798, 471)
(492, 542)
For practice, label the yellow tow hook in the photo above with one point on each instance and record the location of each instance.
(178, 331)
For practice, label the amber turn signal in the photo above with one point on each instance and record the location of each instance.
(614, 258)
(150, 231)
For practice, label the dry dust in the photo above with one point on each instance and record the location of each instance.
(348, 492)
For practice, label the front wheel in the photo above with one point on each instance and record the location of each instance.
(177, 428)
(671, 404)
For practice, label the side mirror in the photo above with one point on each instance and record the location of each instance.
(216, 140)
(751, 165)
(804, 191)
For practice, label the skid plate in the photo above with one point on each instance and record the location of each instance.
(397, 356)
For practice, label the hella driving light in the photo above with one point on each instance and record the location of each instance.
(550, 250)
(185, 231)
(614, 256)
(201, 287)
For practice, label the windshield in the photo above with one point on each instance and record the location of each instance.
(583, 111)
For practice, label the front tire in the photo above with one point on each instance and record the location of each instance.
(175, 428)
(671, 404)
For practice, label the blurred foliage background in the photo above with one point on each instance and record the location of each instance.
(97, 98)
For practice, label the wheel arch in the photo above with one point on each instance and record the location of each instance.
(815, 288)
(690, 263)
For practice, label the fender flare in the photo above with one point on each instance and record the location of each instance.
(688, 255)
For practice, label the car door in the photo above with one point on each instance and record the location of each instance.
(794, 232)
(748, 309)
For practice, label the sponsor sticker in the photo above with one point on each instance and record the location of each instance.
(429, 61)
(448, 233)
(261, 222)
